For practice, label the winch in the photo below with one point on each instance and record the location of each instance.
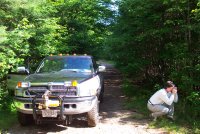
(49, 101)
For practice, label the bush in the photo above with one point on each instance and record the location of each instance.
(5, 99)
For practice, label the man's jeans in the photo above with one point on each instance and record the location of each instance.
(161, 109)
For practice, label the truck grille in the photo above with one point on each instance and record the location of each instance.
(58, 87)
(55, 90)
(38, 88)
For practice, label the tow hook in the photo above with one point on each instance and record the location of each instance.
(46, 103)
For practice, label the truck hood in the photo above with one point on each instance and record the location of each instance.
(58, 77)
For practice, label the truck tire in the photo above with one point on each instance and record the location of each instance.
(101, 94)
(93, 115)
(24, 119)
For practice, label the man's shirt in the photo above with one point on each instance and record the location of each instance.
(161, 97)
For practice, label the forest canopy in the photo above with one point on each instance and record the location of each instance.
(37, 28)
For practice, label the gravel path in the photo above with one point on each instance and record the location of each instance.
(114, 119)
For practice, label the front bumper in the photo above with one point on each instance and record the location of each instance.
(74, 105)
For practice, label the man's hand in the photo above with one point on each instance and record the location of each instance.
(174, 90)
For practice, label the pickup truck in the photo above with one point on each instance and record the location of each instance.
(61, 86)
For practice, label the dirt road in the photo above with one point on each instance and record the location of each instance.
(114, 119)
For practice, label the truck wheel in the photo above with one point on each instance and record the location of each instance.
(93, 115)
(68, 120)
(24, 119)
(101, 97)
(101, 94)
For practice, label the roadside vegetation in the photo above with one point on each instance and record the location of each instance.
(150, 42)
(7, 119)
(137, 101)
(7, 111)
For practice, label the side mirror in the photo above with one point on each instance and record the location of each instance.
(101, 69)
(22, 70)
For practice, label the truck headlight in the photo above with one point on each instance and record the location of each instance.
(23, 84)
(73, 83)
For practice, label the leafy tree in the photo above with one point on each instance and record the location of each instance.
(86, 24)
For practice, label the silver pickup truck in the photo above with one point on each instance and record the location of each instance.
(60, 87)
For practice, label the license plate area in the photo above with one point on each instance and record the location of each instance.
(49, 113)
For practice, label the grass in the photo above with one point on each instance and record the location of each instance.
(137, 101)
(172, 127)
(7, 119)
(8, 115)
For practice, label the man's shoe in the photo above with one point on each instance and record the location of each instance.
(170, 117)
(153, 117)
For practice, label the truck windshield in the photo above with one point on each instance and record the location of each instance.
(75, 64)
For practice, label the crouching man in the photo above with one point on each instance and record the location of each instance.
(162, 102)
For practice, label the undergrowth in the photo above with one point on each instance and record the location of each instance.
(7, 111)
(137, 101)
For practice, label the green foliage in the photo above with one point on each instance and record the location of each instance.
(33, 29)
(86, 24)
(171, 127)
(7, 119)
(5, 99)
